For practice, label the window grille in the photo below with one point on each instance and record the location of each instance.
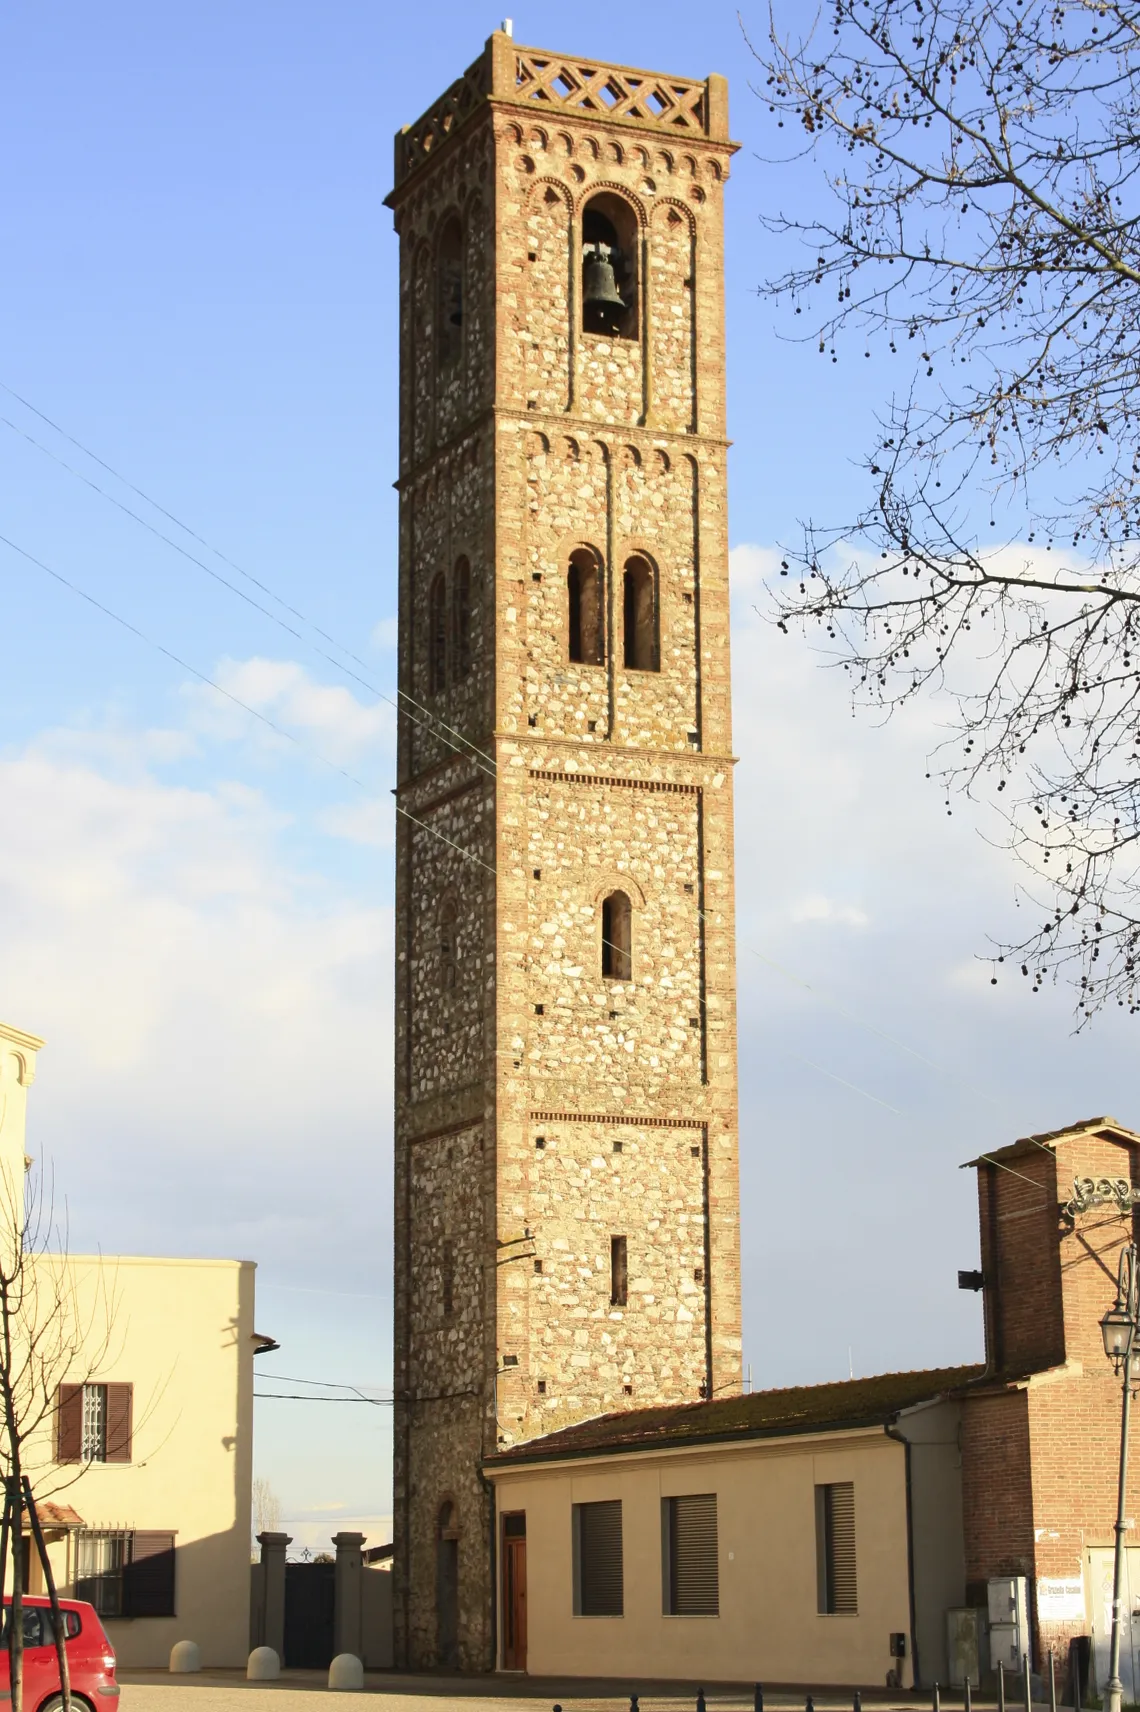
(94, 1442)
(125, 1573)
(835, 1548)
(691, 1561)
(99, 1576)
(598, 1584)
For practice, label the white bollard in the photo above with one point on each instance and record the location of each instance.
(346, 1671)
(185, 1658)
(263, 1666)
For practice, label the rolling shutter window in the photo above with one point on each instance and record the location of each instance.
(598, 1562)
(119, 1413)
(69, 1424)
(694, 1584)
(835, 1548)
(148, 1579)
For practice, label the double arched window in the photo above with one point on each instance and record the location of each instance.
(639, 616)
(461, 621)
(437, 635)
(455, 618)
(585, 631)
(449, 293)
(617, 937)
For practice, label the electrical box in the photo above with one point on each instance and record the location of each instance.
(967, 1646)
(898, 1645)
(1008, 1602)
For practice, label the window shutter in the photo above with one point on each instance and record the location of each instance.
(148, 1579)
(839, 1518)
(693, 1569)
(120, 1400)
(600, 1559)
(69, 1424)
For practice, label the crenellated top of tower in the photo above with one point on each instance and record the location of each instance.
(533, 79)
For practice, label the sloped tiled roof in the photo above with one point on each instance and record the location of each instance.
(1052, 1138)
(848, 1404)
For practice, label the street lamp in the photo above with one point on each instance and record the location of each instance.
(1121, 1334)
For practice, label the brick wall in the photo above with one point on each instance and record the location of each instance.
(531, 785)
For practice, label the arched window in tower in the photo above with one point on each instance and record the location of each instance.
(461, 621)
(449, 288)
(448, 950)
(617, 937)
(584, 608)
(609, 267)
(639, 616)
(437, 635)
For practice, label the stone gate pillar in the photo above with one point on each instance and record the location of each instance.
(273, 1548)
(348, 1623)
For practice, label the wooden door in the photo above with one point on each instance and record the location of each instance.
(514, 1591)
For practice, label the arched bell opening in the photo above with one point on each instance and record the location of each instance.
(641, 652)
(449, 293)
(585, 629)
(609, 267)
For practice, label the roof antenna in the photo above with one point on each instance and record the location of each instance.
(508, 26)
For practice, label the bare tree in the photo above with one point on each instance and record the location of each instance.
(977, 230)
(266, 1508)
(47, 1334)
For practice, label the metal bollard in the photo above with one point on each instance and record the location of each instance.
(969, 1699)
(937, 1700)
(1001, 1686)
(1052, 1682)
(633, 1706)
(700, 1700)
(857, 1703)
(809, 1704)
(1026, 1683)
(758, 1698)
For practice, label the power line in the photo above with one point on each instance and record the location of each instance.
(437, 726)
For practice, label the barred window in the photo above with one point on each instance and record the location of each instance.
(125, 1573)
(598, 1583)
(835, 1549)
(94, 1443)
(692, 1578)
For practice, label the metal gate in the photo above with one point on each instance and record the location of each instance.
(310, 1603)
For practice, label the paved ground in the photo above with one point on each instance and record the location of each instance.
(228, 1691)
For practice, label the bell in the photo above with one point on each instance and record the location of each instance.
(602, 301)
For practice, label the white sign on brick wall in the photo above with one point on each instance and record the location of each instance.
(1060, 1598)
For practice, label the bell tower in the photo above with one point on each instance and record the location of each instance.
(566, 1194)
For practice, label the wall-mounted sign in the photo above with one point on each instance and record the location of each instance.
(1060, 1598)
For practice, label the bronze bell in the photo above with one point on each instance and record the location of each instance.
(602, 301)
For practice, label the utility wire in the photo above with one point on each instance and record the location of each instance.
(437, 726)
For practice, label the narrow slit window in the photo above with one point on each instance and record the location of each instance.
(461, 621)
(619, 1272)
(437, 636)
(449, 313)
(584, 609)
(617, 938)
(835, 1549)
(447, 1271)
(639, 614)
(448, 957)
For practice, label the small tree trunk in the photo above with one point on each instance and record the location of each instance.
(53, 1595)
(16, 1619)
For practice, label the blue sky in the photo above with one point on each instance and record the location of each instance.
(195, 910)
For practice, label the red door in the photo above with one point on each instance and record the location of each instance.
(514, 1591)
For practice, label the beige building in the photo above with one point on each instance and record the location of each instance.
(804, 1535)
(566, 1184)
(142, 1455)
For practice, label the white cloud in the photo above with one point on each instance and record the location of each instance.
(340, 726)
(818, 908)
(386, 634)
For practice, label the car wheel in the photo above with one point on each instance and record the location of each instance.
(78, 1703)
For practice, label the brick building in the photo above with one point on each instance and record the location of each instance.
(952, 1479)
(566, 1196)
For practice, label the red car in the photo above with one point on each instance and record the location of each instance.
(90, 1658)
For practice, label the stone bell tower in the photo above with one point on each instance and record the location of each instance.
(566, 1197)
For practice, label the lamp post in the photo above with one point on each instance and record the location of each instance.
(1121, 1334)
